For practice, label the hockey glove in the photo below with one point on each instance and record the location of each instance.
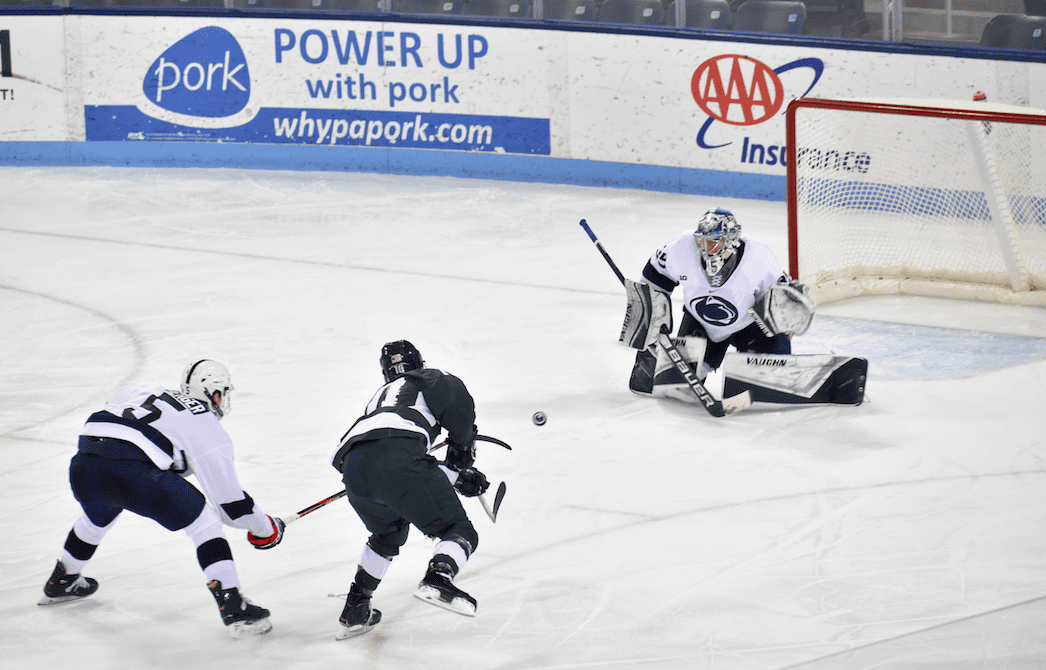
(461, 456)
(800, 286)
(471, 482)
(270, 541)
(784, 308)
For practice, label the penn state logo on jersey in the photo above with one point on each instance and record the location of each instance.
(714, 310)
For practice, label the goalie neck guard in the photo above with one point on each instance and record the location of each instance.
(718, 235)
(398, 358)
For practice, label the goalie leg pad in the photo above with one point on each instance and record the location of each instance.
(797, 379)
(667, 381)
(647, 311)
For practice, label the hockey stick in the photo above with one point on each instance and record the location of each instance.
(606, 256)
(479, 438)
(716, 408)
(492, 511)
(499, 495)
(315, 506)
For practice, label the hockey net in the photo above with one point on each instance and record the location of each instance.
(944, 199)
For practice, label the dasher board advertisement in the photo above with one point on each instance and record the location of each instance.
(32, 79)
(645, 100)
(339, 83)
(668, 111)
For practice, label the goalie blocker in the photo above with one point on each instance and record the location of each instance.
(648, 312)
(770, 378)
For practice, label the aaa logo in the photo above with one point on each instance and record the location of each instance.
(737, 90)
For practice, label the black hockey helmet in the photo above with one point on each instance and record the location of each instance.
(399, 358)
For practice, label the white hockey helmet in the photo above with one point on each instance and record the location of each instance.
(718, 234)
(209, 382)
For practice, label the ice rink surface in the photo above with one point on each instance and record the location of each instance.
(904, 533)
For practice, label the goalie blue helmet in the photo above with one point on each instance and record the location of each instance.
(398, 358)
(718, 235)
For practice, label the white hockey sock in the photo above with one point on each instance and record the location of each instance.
(224, 572)
(454, 550)
(206, 528)
(374, 563)
(88, 533)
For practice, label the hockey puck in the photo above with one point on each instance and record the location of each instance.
(539, 418)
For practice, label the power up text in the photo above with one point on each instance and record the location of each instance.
(386, 48)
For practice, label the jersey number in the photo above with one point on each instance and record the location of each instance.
(386, 397)
(154, 411)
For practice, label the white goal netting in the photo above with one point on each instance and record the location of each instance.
(888, 197)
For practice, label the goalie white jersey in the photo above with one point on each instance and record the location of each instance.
(722, 309)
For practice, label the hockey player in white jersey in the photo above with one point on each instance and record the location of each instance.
(392, 482)
(725, 278)
(135, 454)
(735, 293)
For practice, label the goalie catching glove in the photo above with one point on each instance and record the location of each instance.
(784, 308)
(648, 312)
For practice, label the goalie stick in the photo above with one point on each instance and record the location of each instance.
(716, 408)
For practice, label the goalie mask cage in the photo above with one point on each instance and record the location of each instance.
(942, 199)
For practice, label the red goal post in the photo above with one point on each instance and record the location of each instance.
(938, 198)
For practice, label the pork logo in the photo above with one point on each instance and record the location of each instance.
(714, 310)
(204, 75)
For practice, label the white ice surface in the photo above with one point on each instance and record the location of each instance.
(904, 533)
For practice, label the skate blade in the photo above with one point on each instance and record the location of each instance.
(457, 605)
(345, 632)
(48, 600)
(242, 629)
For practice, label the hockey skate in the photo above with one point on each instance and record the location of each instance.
(63, 587)
(438, 589)
(358, 617)
(242, 617)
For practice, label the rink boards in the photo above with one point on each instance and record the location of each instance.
(659, 109)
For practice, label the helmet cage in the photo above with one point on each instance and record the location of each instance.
(398, 358)
(209, 382)
(718, 234)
